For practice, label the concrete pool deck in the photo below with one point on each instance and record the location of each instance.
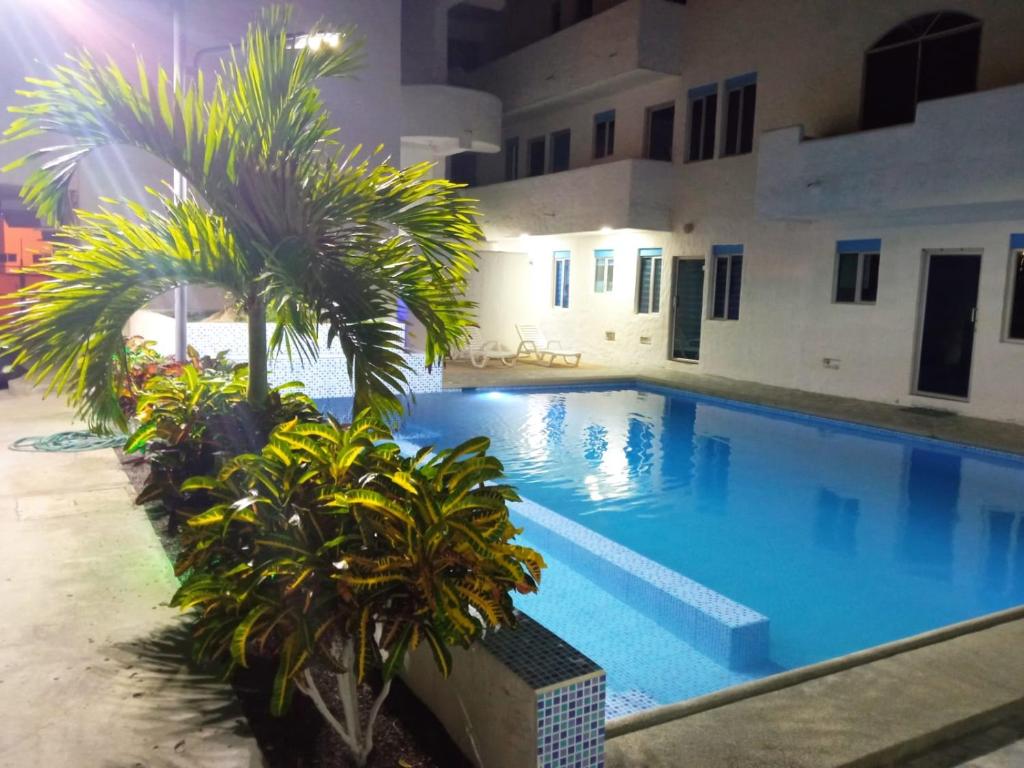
(995, 435)
(91, 671)
(879, 712)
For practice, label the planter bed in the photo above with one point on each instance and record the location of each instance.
(407, 735)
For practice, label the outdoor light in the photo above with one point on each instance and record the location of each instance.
(605, 230)
(524, 235)
(314, 41)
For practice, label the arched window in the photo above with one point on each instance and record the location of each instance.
(928, 57)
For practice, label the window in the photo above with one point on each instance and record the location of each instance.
(604, 134)
(604, 270)
(463, 54)
(535, 156)
(703, 114)
(462, 168)
(556, 16)
(511, 159)
(727, 261)
(649, 288)
(660, 122)
(1015, 321)
(560, 151)
(562, 279)
(928, 57)
(584, 9)
(740, 101)
(856, 280)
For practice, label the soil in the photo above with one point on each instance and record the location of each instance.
(406, 735)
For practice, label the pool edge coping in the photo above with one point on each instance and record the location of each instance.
(639, 721)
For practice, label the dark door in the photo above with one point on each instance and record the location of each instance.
(687, 309)
(947, 333)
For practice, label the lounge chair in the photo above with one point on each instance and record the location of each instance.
(481, 354)
(532, 342)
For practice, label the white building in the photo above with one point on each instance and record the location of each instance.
(825, 196)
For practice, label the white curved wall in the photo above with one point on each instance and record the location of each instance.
(449, 119)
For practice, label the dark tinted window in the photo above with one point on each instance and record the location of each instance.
(535, 157)
(660, 123)
(929, 57)
(739, 119)
(703, 109)
(735, 281)
(462, 168)
(846, 278)
(604, 134)
(560, 151)
(721, 284)
(725, 302)
(511, 159)
(856, 277)
(1016, 328)
(869, 277)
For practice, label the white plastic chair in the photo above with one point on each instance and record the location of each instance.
(481, 354)
(533, 342)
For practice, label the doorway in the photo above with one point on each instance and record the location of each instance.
(947, 325)
(687, 308)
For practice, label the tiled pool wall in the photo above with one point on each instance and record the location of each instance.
(325, 377)
(570, 691)
(726, 631)
(570, 724)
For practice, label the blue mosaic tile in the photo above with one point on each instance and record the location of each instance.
(570, 724)
(726, 631)
(646, 664)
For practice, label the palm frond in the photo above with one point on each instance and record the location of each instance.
(68, 329)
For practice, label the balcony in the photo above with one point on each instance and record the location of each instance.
(633, 43)
(962, 158)
(626, 194)
(447, 119)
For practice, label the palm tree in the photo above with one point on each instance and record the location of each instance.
(300, 230)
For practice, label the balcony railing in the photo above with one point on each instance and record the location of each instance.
(962, 156)
(625, 194)
(635, 42)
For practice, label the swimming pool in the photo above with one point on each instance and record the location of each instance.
(843, 537)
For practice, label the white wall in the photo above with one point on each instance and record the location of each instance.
(808, 60)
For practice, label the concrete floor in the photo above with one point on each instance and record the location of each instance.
(882, 713)
(961, 429)
(90, 666)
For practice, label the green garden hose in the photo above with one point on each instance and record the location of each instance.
(68, 442)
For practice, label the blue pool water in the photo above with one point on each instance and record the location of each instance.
(843, 537)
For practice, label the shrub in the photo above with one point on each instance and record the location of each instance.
(330, 549)
(140, 362)
(193, 418)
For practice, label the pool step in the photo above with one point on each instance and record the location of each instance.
(731, 634)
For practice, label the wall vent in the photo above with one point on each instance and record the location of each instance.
(645, 339)
(609, 335)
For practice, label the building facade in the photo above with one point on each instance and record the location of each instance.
(827, 196)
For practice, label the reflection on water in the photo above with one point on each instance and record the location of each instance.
(835, 524)
(843, 538)
(930, 511)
